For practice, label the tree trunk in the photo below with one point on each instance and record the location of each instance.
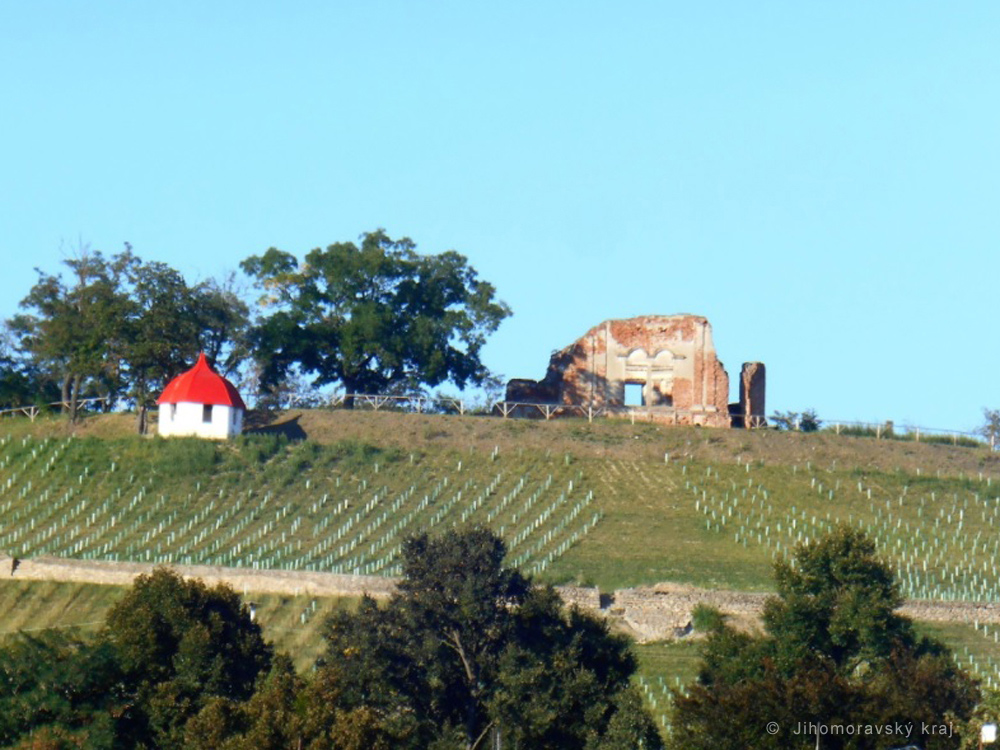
(75, 398)
(64, 392)
(350, 388)
(141, 408)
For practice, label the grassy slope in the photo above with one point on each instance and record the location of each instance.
(682, 504)
(292, 623)
(657, 516)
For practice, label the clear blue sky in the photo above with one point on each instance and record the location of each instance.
(820, 180)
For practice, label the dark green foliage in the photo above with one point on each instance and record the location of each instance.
(123, 327)
(375, 318)
(435, 648)
(22, 383)
(810, 421)
(466, 653)
(838, 599)
(806, 421)
(169, 649)
(269, 719)
(705, 618)
(69, 329)
(834, 653)
(630, 727)
(468, 648)
(57, 681)
(177, 644)
(560, 679)
(15, 386)
(735, 713)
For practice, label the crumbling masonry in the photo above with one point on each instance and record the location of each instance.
(670, 357)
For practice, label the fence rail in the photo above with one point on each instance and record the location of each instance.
(34, 410)
(420, 404)
(507, 409)
(415, 403)
(916, 433)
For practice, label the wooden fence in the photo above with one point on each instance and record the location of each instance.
(421, 404)
(34, 410)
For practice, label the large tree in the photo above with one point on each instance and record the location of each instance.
(68, 328)
(126, 326)
(990, 428)
(178, 644)
(168, 322)
(58, 684)
(374, 317)
(835, 656)
(21, 382)
(169, 649)
(468, 650)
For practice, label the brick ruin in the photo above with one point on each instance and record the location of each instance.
(669, 361)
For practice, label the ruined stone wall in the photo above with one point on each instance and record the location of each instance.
(753, 378)
(671, 356)
(664, 611)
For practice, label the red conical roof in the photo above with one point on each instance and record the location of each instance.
(201, 385)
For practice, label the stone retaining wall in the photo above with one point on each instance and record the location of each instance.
(649, 612)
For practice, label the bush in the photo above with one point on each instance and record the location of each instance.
(806, 421)
(706, 619)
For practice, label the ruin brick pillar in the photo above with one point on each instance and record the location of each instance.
(752, 386)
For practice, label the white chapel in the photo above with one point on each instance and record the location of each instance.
(201, 403)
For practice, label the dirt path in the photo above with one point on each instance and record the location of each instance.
(649, 612)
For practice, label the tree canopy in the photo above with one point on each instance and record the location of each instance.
(373, 318)
(69, 328)
(990, 428)
(21, 382)
(834, 654)
(168, 649)
(468, 650)
(178, 643)
(124, 326)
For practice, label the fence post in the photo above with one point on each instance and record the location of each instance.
(878, 432)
